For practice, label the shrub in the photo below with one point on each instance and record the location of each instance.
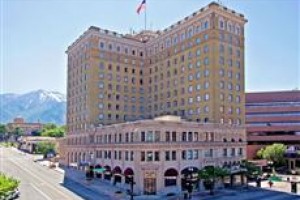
(7, 184)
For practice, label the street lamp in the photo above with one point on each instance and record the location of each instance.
(189, 182)
(131, 182)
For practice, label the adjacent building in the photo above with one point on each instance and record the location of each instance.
(120, 86)
(25, 128)
(272, 117)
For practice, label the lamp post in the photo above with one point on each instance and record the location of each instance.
(131, 182)
(189, 182)
(91, 174)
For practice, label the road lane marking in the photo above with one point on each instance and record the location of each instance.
(40, 191)
(24, 169)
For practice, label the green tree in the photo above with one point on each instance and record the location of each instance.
(274, 153)
(252, 171)
(45, 147)
(54, 132)
(3, 129)
(210, 174)
(18, 131)
(49, 126)
(7, 184)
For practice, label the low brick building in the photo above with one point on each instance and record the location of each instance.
(158, 153)
(25, 127)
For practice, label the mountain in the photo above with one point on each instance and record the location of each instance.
(40, 105)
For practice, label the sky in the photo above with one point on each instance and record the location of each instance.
(34, 35)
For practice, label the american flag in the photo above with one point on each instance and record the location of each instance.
(141, 7)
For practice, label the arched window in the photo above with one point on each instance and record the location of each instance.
(221, 24)
(190, 32)
(171, 177)
(229, 27)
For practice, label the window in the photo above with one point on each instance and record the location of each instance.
(143, 136)
(206, 49)
(208, 153)
(232, 152)
(184, 137)
(173, 155)
(206, 97)
(206, 109)
(224, 152)
(173, 136)
(206, 85)
(240, 151)
(221, 24)
(142, 156)
(190, 154)
(101, 85)
(190, 88)
(206, 61)
(149, 136)
(183, 155)
(149, 156)
(156, 156)
(102, 45)
(167, 155)
(198, 52)
(238, 111)
(206, 37)
(190, 136)
(195, 154)
(229, 86)
(221, 84)
(198, 64)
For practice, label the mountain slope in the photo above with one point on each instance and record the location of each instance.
(40, 105)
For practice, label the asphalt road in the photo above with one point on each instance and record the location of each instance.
(42, 183)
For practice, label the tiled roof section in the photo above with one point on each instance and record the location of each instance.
(276, 96)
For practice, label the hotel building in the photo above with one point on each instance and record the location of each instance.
(119, 86)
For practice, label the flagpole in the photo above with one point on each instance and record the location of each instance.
(145, 16)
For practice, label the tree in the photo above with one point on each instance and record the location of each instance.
(3, 129)
(51, 130)
(274, 153)
(7, 184)
(18, 131)
(252, 171)
(49, 126)
(45, 147)
(210, 174)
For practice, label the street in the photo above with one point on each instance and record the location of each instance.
(41, 183)
(38, 182)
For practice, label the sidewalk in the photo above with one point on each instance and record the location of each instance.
(101, 187)
(106, 188)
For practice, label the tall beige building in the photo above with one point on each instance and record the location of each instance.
(193, 69)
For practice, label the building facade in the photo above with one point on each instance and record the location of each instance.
(120, 85)
(272, 117)
(158, 153)
(193, 69)
(25, 128)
